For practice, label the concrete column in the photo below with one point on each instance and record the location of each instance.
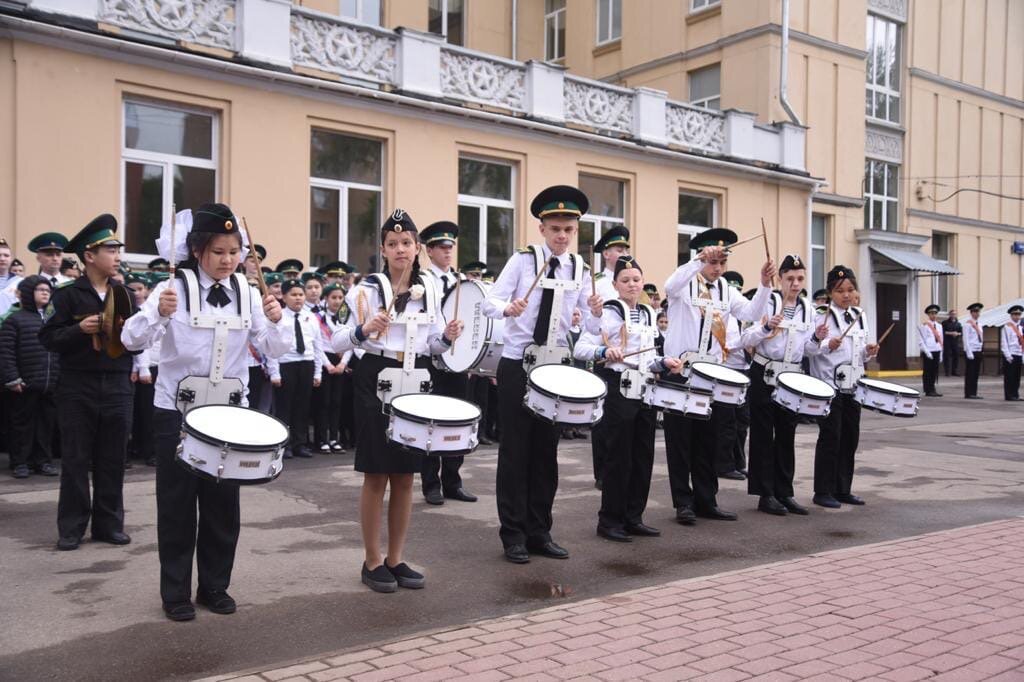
(649, 115)
(739, 134)
(264, 31)
(792, 145)
(419, 62)
(545, 86)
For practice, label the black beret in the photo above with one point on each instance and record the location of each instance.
(559, 200)
(792, 262)
(651, 288)
(626, 263)
(398, 221)
(214, 219)
(290, 284)
(443, 232)
(837, 274)
(616, 236)
(820, 293)
(718, 236)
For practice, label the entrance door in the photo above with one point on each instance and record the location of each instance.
(891, 300)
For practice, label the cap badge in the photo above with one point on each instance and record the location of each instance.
(398, 215)
(228, 225)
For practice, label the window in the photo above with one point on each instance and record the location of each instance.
(941, 248)
(881, 194)
(554, 30)
(609, 20)
(698, 5)
(168, 156)
(366, 11)
(819, 252)
(486, 212)
(607, 208)
(345, 177)
(697, 212)
(882, 97)
(445, 17)
(705, 86)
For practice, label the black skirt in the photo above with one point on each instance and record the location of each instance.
(375, 454)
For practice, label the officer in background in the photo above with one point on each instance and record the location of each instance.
(974, 342)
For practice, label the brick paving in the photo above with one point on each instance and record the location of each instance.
(942, 606)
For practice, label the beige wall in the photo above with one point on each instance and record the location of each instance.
(7, 136)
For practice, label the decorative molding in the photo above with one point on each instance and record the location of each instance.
(883, 145)
(837, 200)
(695, 127)
(479, 79)
(597, 105)
(970, 222)
(964, 87)
(345, 49)
(204, 22)
(893, 9)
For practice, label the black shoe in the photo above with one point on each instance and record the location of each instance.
(933, 394)
(517, 554)
(433, 497)
(68, 543)
(567, 434)
(218, 602)
(733, 476)
(717, 514)
(598, 483)
(21, 471)
(128, 464)
(461, 495)
(973, 397)
(580, 434)
(549, 549)
(303, 452)
(685, 516)
(287, 453)
(826, 500)
(1013, 399)
(849, 498)
(484, 440)
(614, 534)
(642, 529)
(179, 610)
(115, 538)
(379, 579)
(151, 462)
(47, 469)
(406, 577)
(769, 505)
(793, 507)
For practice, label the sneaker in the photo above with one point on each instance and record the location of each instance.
(336, 446)
(325, 448)
(21, 471)
(48, 469)
(379, 579)
(406, 577)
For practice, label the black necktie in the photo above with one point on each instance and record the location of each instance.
(847, 317)
(53, 281)
(447, 286)
(300, 343)
(540, 332)
(335, 318)
(217, 296)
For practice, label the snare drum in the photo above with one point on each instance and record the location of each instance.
(433, 424)
(565, 395)
(726, 385)
(802, 394)
(677, 398)
(232, 443)
(887, 398)
(478, 330)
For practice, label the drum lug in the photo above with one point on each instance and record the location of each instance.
(220, 471)
(426, 386)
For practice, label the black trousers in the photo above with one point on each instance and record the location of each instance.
(454, 386)
(348, 425)
(142, 418)
(194, 517)
(1011, 377)
(257, 382)
(292, 398)
(930, 366)
(599, 445)
(327, 406)
(951, 356)
(733, 424)
(626, 476)
(691, 450)
(972, 370)
(838, 437)
(772, 433)
(95, 417)
(479, 395)
(527, 463)
(32, 419)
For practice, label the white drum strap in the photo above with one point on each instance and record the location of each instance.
(638, 335)
(559, 286)
(220, 324)
(707, 318)
(794, 325)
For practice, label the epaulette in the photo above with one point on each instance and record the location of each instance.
(65, 284)
(523, 250)
(599, 275)
(821, 309)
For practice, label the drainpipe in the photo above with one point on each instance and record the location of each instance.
(784, 65)
(515, 28)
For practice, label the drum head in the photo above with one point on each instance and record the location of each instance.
(567, 382)
(236, 425)
(888, 387)
(806, 385)
(719, 372)
(469, 348)
(426, 407)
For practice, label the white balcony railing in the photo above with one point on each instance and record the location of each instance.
(203, 22)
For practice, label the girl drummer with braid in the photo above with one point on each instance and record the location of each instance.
(626, 344)
(383, 462)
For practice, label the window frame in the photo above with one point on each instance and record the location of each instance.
(611, 15)
(359, 13)
(887, 89)
(559, 16)
(702, 5)
(694, 230)
(602, 223)
(871, 197)
(485, 203)
(444, 22)
(167, 161)
(943, 281)
(705, 102)
(823, 248)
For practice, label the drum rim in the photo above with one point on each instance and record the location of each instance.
(236, 447)
(723, 380)
(236, 481)
(530, 383)
(804, 394)
(676, 386)
(906, 390)
(416, 419)
(483, 346)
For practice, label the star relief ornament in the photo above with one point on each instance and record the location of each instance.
(416, 292)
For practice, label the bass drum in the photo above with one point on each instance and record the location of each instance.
(478, 330)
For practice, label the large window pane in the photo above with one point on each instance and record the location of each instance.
(143, 206)
(363, 226)
(683, 248)
(168, 131)
(345, 157)
(323, 225)
(616, 19)
(435, 17)
(482, 179)
(469, 236)
(607, 196)
(455, 15)
(586, 241)
(194, 186)
(603, 32)
(500, 226)
(705, 86)
(696, 210)
(817, 270)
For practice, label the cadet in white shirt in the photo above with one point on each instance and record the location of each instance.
(215, 246)
(696, 287)
(327, 407)
(929, 340)
(839, 361)
(1010, 342)
(974, 341)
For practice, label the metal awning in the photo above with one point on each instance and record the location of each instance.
(998, 316)
(905, 259)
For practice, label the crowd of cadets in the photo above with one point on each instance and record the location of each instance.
(316, 346)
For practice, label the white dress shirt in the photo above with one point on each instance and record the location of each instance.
(445, 280)
(774, 347)
(147, 359)
(823, 363)
(312, 339)
(973, 341)
(514, 281)
(605, 285)
(737, 358)
(1010, 340)
(926, 340)
(684, 318)
(331, 327)
(185, 350)
(639, 336)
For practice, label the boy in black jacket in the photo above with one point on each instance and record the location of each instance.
(30, 372)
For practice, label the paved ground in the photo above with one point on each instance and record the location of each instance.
(95, 613)
(902, 610)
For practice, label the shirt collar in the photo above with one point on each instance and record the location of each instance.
(438, 271)
(562, 260)
(205, 281)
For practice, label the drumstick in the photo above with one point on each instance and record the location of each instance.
(261, 284)
(401, 281)
(458, 288)
(848, 329)
(886, 334)
(174, 224)
(535, 280)
(745, 241)
(593, 285)
(767, 253)
(629, 354)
